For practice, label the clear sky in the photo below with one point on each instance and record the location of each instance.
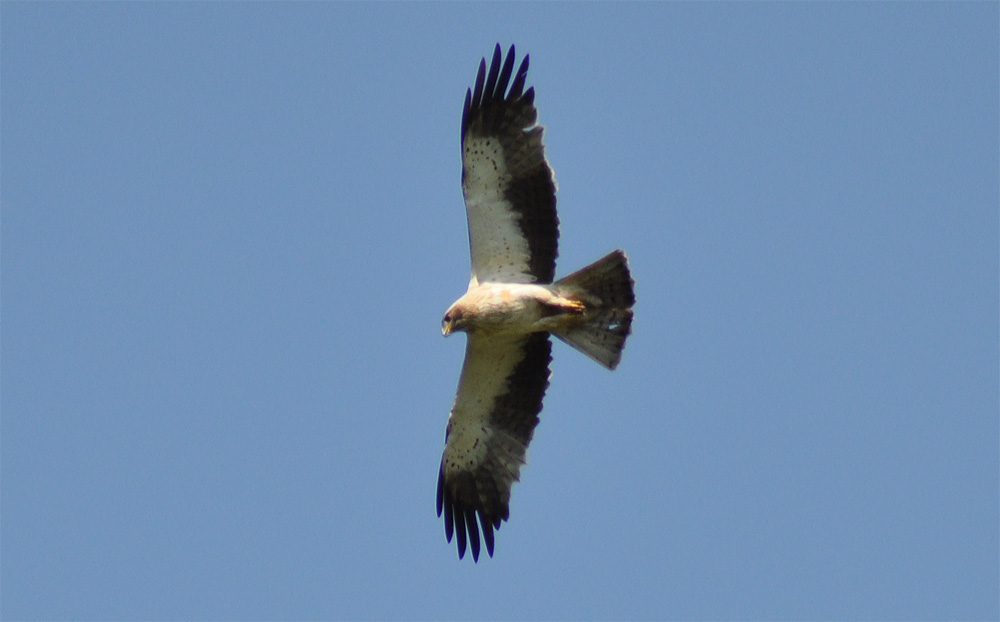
(229, 233)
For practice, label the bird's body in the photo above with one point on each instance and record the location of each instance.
(513, 304)
(511, 309)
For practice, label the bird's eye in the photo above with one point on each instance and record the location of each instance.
(447, 317)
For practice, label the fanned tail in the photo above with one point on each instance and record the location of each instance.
(606, 289)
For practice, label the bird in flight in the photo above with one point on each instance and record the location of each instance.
(512, 304)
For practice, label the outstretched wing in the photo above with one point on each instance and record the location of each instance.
(495, 413)
(510, 192)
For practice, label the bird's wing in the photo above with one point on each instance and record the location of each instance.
(510, 192)
(495, 413)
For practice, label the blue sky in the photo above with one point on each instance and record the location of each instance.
(229, 232)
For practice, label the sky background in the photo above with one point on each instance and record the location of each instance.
(229, 233)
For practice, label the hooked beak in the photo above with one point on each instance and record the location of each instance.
(446, 327)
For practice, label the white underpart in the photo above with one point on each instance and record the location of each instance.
(488, 364)
(508, 308)
(499, 251)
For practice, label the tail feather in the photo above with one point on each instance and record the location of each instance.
(606, 289)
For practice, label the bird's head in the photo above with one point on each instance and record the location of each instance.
(454, 319)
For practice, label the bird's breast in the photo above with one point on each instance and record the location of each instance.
(504, 307)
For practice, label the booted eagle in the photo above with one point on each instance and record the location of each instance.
(512, 304)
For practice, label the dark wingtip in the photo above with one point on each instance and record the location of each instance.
(449, 521)
(487, 535)
(465, 111)
(519, 79)
(460, 532)
(504, 79)
(489, 90)
(440, 491)
(473, 527)
(529, 96)
(466, 522)
(477, 91)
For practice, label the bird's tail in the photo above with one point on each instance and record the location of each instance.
(605, 289)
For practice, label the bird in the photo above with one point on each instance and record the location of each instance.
(513, 305)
